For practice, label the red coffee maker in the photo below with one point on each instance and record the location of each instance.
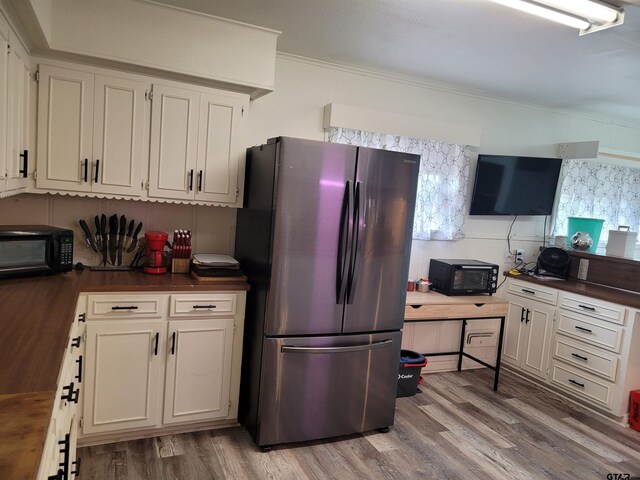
(156, 259)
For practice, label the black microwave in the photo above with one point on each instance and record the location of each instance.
(35, 250)
(463, 277)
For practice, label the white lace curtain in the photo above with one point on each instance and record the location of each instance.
(595, 190)
(442, 184)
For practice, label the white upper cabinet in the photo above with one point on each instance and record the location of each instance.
(220, 148)
(119, 135)
(4, 60)
(174, 142)
(14, 112)
(91, 132)
(65, 129)
(196, 144)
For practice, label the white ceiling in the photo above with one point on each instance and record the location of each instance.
(474, 45)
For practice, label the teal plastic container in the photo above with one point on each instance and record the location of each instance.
(593, 226)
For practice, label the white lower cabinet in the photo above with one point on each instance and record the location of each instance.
(59, 453)
(125, 363)
(198, 369)
(151, 366)
(527, 335)
(593, 356)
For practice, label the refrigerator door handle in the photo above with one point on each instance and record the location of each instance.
(357, 239)
(344, 244)
(351, 348)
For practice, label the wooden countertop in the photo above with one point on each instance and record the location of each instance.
(615, 295)
(36, 315)
(24, 419)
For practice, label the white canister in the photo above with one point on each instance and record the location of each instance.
(622, 242)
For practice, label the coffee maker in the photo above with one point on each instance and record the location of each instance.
(156, 257)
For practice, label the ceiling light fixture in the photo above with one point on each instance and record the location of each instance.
(588, 16)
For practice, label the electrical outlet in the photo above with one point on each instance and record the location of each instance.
(519, 255)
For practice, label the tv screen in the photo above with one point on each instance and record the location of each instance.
(508, 185)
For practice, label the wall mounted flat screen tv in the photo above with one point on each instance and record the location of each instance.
(509, 185)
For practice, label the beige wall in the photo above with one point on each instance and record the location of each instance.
(303, 88)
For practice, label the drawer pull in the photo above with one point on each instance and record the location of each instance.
(195, 307)
(82, 318)
(580, 357)
(583, 329)
(72, 395)
(130, 307)
(75, 342)
(173, 343)
(528, 291)
(581, 385)
(155, 347)
(77, 465)
(591, 309)
(79, 375)
(522, 314)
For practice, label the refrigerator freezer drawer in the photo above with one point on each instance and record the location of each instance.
(320, 387)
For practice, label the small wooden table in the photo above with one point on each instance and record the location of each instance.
(433, 306)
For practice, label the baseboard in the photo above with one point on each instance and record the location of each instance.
(113, 437)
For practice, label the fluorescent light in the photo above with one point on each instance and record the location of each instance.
(586, 15)
(543, 12)
(586, 9)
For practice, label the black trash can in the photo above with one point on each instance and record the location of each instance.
(411, 364)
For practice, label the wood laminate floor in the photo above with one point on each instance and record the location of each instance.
(457, 428)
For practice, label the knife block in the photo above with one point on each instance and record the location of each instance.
(180, 265)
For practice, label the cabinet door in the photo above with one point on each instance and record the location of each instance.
(198, 373)
(119, 136)
(123, 386)
(18, 116)
(174, 142)
(4, 59)
(514, 331)
(65, 129)
(219, 148)
(537, 341)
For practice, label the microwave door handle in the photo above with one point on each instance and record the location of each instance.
(475, 267)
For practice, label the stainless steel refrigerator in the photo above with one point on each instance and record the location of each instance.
(324, 237)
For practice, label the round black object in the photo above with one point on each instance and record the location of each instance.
(554, 260)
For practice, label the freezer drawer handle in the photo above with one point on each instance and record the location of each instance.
(352, 348)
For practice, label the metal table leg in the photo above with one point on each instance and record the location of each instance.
(464, 327)
(498, 355)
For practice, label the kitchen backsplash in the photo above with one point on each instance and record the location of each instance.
(213, 227)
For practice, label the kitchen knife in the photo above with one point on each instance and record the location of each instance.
(123, 226)
(129, 239)
(87, 235)
(103, 232)
(113, 237)
(134, 242)
(98, 235)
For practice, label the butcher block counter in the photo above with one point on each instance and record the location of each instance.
(36, 315)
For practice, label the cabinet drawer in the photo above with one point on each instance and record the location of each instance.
(585, 386)
(203, 305)
(470, 310)
(120, 306)
(595, 308)
(589, 359)
(590, 330)
(532, 290)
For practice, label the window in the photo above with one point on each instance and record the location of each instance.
(441, 200)
(595, 190)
